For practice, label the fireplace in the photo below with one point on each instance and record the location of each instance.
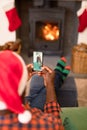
(46, 30)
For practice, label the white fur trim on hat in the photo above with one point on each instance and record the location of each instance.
(25, 117)
(24, 78)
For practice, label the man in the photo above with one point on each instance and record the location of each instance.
(36, 90)
(14, 115)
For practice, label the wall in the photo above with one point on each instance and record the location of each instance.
(71, 24)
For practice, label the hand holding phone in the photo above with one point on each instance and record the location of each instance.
(37, 61)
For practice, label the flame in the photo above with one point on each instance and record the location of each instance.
(50, 32)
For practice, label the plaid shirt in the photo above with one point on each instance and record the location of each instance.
(47, 120)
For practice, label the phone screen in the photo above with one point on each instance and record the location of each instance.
(37, 60)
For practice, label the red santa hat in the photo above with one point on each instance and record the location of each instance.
(13, 78)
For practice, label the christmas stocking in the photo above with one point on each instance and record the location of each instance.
(82, 21)
(12, 16)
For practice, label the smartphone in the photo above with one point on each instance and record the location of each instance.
(37, 60)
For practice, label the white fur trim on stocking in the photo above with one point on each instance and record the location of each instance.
(79, 12)
(25, 117)
(83, 7)
(8, 6)
(84, 4)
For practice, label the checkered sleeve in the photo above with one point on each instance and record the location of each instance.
(52, 107)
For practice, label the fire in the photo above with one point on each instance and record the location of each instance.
(50, 32)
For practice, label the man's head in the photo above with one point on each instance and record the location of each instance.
(13, 78)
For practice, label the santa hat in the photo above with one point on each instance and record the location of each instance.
(13, 78)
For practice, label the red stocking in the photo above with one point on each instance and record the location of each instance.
(12, 16)
(82, 21)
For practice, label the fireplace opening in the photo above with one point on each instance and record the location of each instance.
(47, 30)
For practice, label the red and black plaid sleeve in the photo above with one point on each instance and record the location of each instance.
(52, 107)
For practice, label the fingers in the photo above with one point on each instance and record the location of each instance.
(30, 66)
(46, 68)
(30, 70)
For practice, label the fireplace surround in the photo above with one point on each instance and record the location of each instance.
(39, 17)
(70, 34)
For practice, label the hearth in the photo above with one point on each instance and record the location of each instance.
(47, 30)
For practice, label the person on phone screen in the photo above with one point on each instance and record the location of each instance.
(38, 63)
